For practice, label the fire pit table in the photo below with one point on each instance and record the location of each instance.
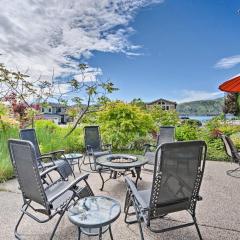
(119, 164)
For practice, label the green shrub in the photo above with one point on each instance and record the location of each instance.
(215, 145)
(228, 129)
(214, 123)
(126, 126)
(52, 137)
(186, 132)
(193, 122)
(236, 139)
(163, 118)
(6, 170)
(122, 123)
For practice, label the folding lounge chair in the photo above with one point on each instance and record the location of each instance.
(232, 152)
(177, 178)
(48, 202)
(94, 146)
(51, 157)
(166, 135)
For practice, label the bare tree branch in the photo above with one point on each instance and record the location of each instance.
(81, 115)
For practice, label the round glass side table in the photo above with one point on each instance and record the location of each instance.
(94, 215)
(73, 159)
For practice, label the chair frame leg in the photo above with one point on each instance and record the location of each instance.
(17, 235)
(139, 220)
(59, 219)
(178, 227)
(196, 225)
(138, 217)
(24, 211)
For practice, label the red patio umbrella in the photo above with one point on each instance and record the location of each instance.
(231, 86)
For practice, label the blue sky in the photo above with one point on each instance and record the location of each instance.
(182, 41)
(179, 50)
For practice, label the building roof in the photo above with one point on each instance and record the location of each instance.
(161, 99)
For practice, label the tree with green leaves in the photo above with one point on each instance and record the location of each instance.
(122, 123)
(162, 117)
(232, 104)
(23, 92)
(138, 102)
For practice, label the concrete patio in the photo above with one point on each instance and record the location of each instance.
(218, 214)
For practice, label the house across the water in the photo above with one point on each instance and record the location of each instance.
(55, 112)
(164, 104)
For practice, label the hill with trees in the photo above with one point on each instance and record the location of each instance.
(202, 107)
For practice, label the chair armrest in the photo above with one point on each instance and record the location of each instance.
(149, 145)
(131, 186)
(70, 186)
(89, 148)
(44, 173)
(46, 157)
(105, 146)
(54, 152)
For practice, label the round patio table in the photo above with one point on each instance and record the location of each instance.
(117, 163)
(73, 159)
(93, 215)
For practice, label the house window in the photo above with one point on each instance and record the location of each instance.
(58, 109)
(49, 110)
(167, 107)
(43, 110)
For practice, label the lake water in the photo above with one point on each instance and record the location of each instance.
(201, 118)
(206, 118)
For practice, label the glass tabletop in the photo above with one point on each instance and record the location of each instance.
(94, 212)
(72, 156)
(120, 161)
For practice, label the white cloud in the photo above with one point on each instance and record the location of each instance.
(44, 35)
(195, 95)
(228, 62)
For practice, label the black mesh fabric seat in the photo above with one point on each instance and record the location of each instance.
(177, 178)
(232, 152)
(94, 146)
(166, 135)
(52, 157)
(48, 201)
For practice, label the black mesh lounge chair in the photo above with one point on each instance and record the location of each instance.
(51, 157)
(166, 135)
(177, 177)
(37, 200)
(94, 146)
(231, 151)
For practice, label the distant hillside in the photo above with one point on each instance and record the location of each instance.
(203, 107)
